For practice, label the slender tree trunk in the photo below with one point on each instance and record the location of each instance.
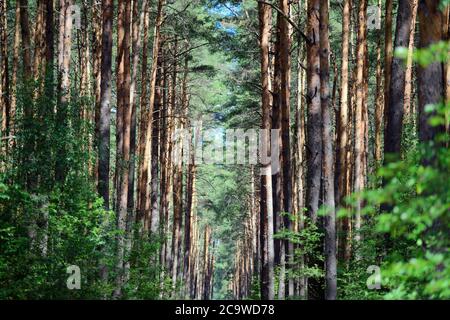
(66, 30)
(137, 26)
(446, 37)
(144, 201)
(314, 127)
(360, 110)
(65, 50)
(39, 43)
(164, 165)
(96, 16)
(27, 77)
(266, 218)
(49, 48)
(26, 42)
(177, 173)
(394, 112)
(205, 263)
(105, 102)
(144, 112)
(314, 136)
(190, 182)
(342, 128)
(379, 101)
(277, 190)
(84, 57)
(15, 70)
(155, 214)
(5, 102)
(327, 157)
(408, 103)
(155, 222)
(285, 69)
(124, 130)
(388, 51)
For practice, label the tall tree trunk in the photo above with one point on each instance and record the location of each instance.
(49, 48)
(145, 132)
(15, 69)
(27, 77)
(5, 103)
(190, 183)
(277, 190)
(65, 55)
(446, 37)
(327, 157)
(360, 112)
(285, 69)
(205, 263)
(266, 218)
(155, 214)
(165, 165)
(105, 102)
(388, 51)
(39, 44)
(314, 136)
(65, 50)
(143, 117)
(96, 43)
(124, 130)
(300, 142)
(408, 102)
(314, 128)
(137, 26)
(344, 139)
(84, 57)
(104, 112)
(394, 112)
(379, 101)
(177, 171)
(26, 42)
(430, 79)
(154, 223)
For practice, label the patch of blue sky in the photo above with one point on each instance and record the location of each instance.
(228, 29)
(222, 11)
(226, 10)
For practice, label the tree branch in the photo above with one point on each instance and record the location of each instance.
(293, 24)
